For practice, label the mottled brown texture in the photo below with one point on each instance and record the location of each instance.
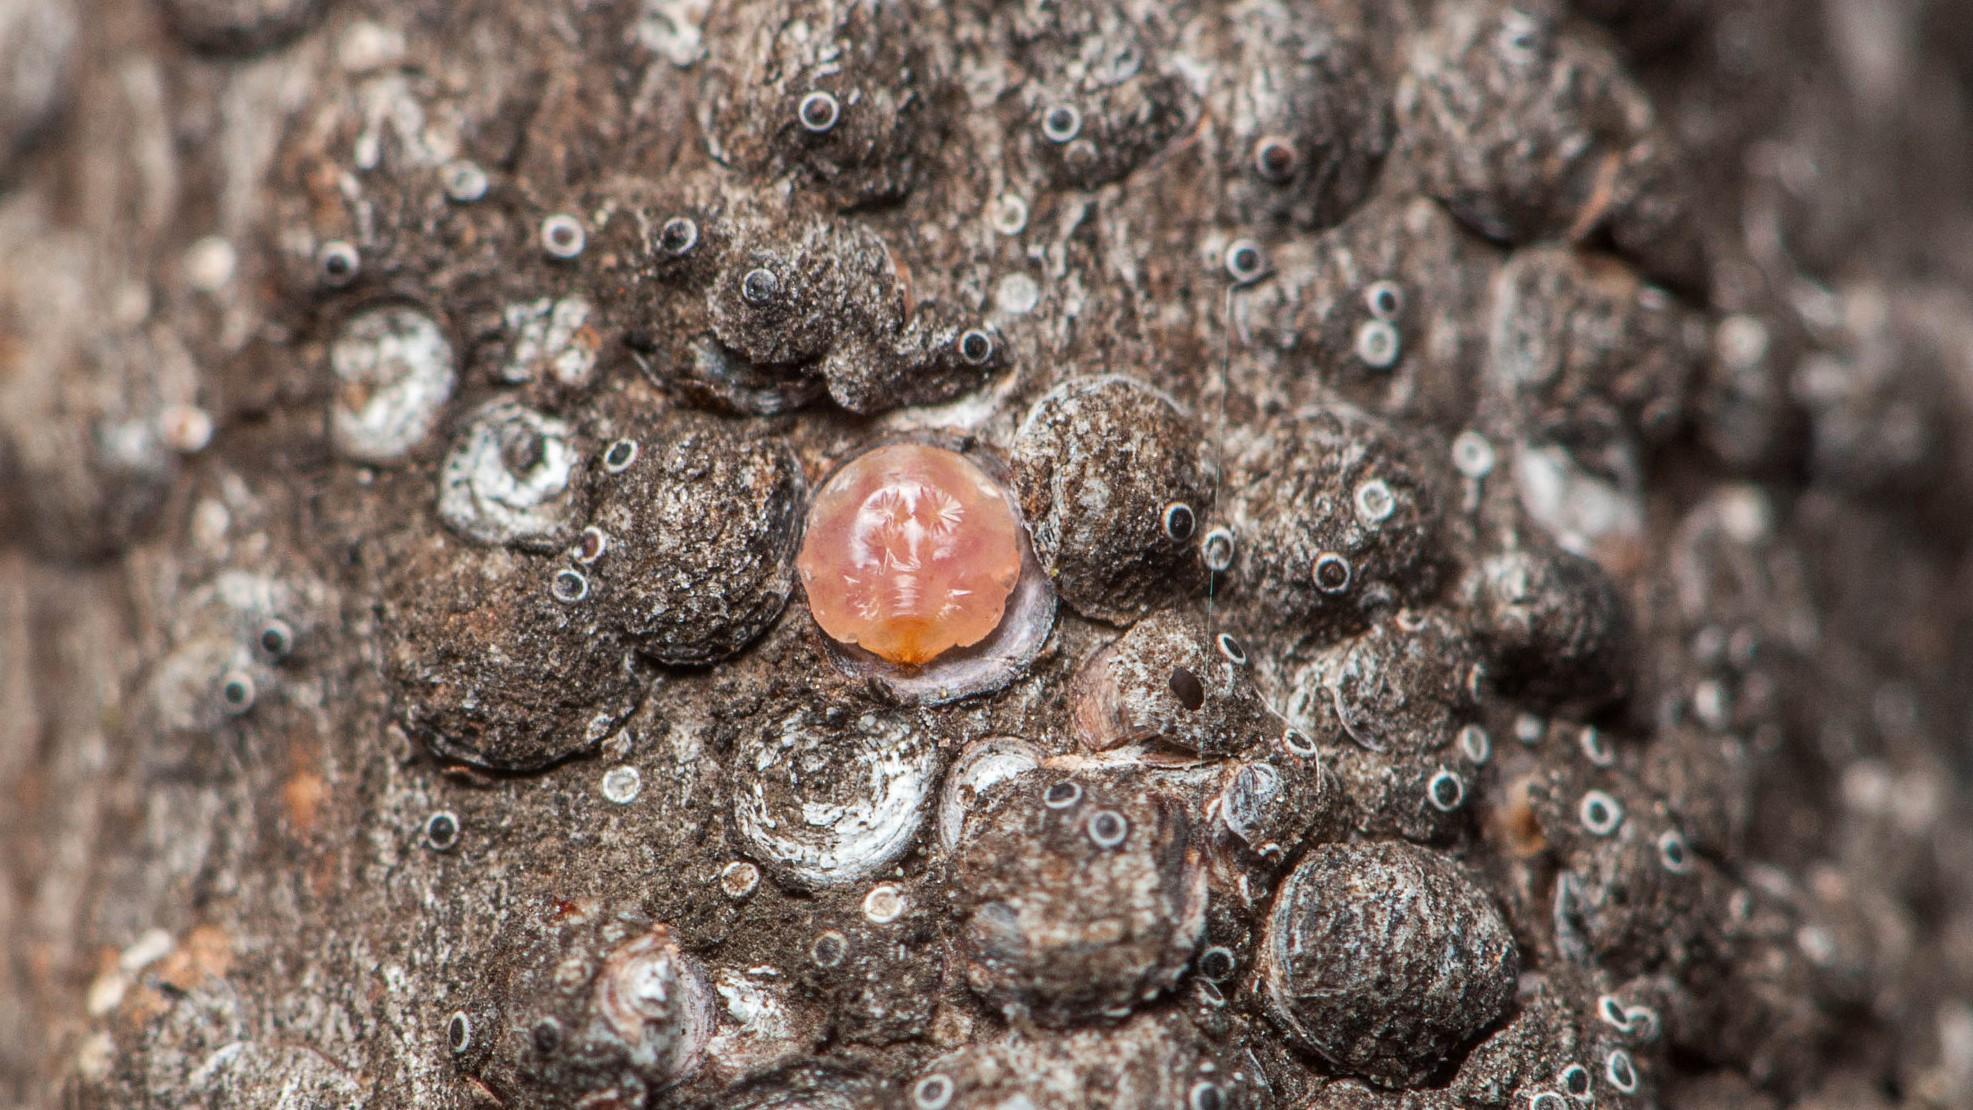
(1385, 959)
(1664, 303)
(1116, 480)
(486, 665)
(1076, 900)
(698, 532)
(1332, 481)
(1166, 683)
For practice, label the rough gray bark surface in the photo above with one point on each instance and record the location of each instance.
(1505, 644)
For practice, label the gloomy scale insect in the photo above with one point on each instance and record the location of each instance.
(1016, 555)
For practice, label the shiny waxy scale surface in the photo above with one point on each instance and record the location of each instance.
(910, 550)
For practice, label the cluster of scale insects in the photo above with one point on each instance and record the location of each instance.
(1310, 765)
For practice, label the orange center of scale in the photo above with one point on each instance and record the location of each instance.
(910, 551)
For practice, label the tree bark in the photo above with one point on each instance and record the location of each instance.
(408, 412)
